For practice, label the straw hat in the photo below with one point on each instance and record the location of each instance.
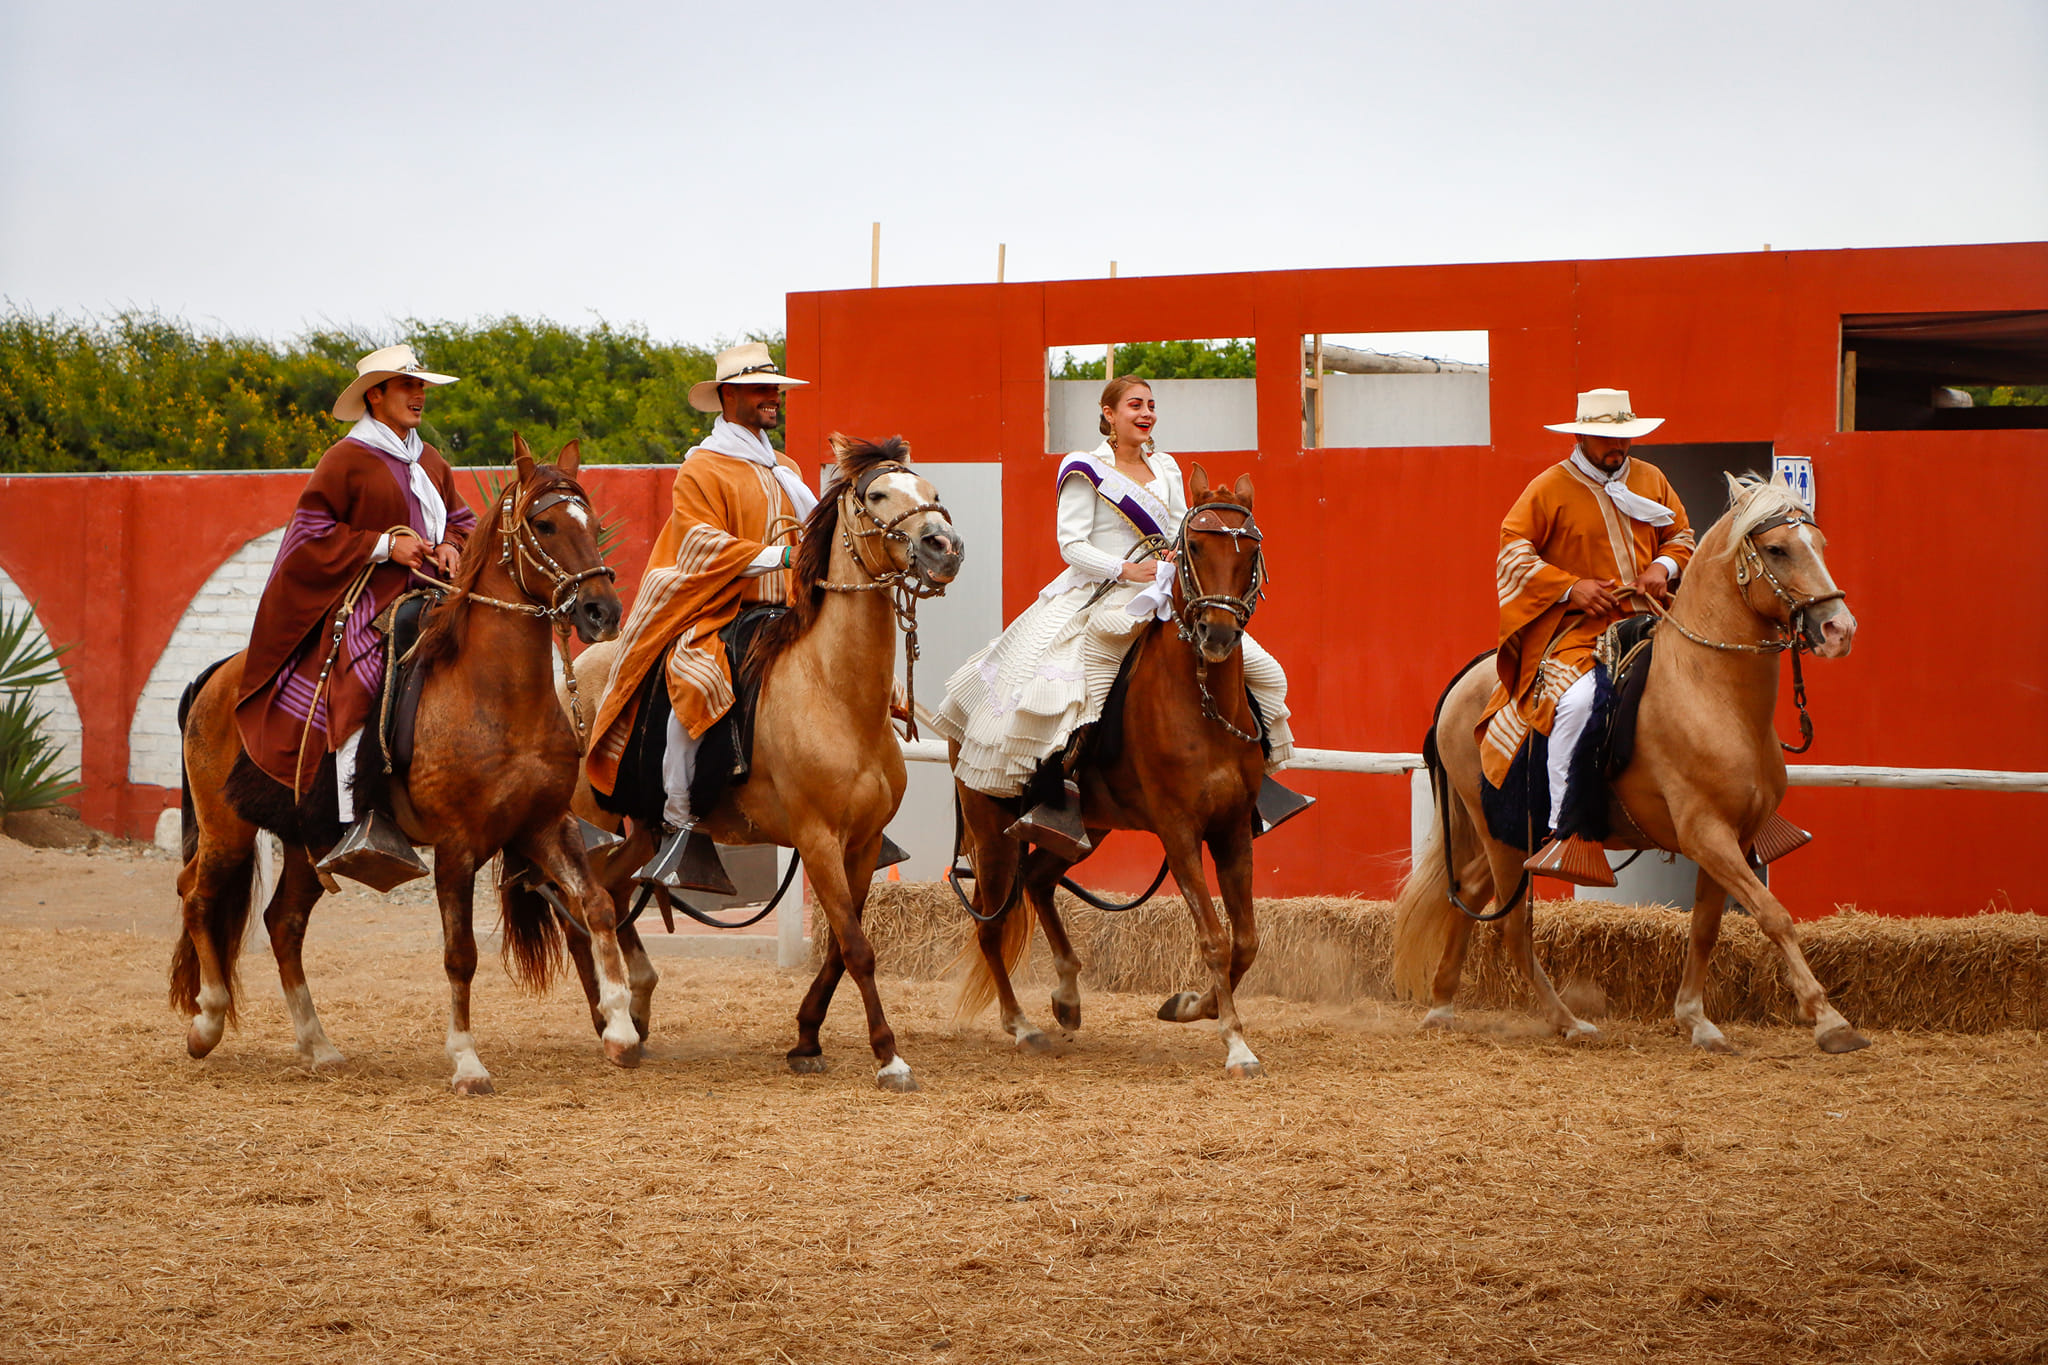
(376, 367)
(748, 363)
(1606, 412)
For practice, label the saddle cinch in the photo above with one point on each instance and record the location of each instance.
(1621, 671)
(725, 754)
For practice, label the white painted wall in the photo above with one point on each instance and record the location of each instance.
(1365, 410)
(54, 699)
(1194, 414)
(216, 624)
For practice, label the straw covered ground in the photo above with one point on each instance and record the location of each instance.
(1485, 1196)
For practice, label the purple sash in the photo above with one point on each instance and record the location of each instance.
(1132, 510)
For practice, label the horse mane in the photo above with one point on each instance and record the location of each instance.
(813, 562)
(443, 624)
(1754, 500)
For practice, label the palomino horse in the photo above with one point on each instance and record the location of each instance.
(1189, 772)
(827, 771)
(493, 768)
(1706, 778)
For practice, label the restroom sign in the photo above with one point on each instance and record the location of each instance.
(1796, 470)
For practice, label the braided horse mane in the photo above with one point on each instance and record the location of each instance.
(443, 625)
(813, 562)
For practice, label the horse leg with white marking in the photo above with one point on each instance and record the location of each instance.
(455, 884)
(291, 906)
(214, 888)
(1718, 855)
(557, 852)
(1688, 1007)
(1042, 872)
(1219, 1002)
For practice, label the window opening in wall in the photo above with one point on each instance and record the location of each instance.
(1699, 471)
(1944, 371)
(1367, 389)
(1207, 392)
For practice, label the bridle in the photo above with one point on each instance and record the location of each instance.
(1196, 599)
(519, 549)
(1795, 635)
(905, 587)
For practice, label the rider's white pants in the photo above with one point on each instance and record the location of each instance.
(678, 766)
(345, 775)
(1574, 709)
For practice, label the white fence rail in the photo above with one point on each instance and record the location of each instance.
(1798, 774)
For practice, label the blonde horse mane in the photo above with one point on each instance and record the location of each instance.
(1754, 500)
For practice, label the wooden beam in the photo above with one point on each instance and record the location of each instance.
(1848, 391)
(1001, 249)
(875, 258)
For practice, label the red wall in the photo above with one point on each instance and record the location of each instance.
(1383, 558)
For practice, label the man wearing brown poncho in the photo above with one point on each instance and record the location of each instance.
(380, 508)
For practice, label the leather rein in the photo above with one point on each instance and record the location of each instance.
(1195, 599)
(905, 587)
(1796, 635)
(518, 550)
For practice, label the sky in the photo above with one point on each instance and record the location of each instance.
(266, 168)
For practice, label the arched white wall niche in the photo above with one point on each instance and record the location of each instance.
(53, 699)
(215, 624)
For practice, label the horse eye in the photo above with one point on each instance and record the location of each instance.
(546, 528)
(1777, 550)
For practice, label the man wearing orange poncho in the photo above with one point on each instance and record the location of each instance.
(727, 545)
(1589, 539)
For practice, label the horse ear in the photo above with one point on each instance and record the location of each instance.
(840, 443)
(1198, 485)
(522, 457)
(1243, 489)
(570, 458)
(1734, 489)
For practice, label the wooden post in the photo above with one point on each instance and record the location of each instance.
(1312, 393)
(875, 258)
(1109, 364)
(1001, 248)
(1848, 391)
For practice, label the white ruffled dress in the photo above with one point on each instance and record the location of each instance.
(1015, 703)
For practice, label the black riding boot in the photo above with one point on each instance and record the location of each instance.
(686, 861)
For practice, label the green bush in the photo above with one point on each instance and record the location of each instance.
(1233, 359)
(141, 392)
(29, 776)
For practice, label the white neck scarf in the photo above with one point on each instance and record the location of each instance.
(376, 435)
(1631, 503)
(744, 443)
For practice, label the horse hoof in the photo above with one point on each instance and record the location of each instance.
(1579, 1031)
(900, 1082)
(471, 1085)
(1442, 1017)
(807, 1064)
(1245, 1071)
(1842, 1038)
(1034, 1041)
(1720, 1047)
(623, 1055)
(1171, 1011)
(1067, 1016)
(325, 1064)
(198, 1044)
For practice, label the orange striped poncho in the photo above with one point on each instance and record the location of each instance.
(725, 511)
(1562, 529)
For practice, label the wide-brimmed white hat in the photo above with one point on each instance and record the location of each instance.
(748, 363)
(1606, 412)
(376, 367)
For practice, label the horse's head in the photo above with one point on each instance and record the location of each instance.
(1781, 567)
(900, 508)
(553, 542)
(1222, 565)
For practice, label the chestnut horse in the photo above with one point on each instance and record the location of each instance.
(827, 771)
(494, 765)
(1705, 780)
(1189, 772)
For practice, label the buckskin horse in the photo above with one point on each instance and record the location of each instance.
(1189, 772)
(1705, 780)
(493, 768)
(826, 772)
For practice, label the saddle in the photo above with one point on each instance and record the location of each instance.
(1621, 667)
(398, 702)
(725, 756)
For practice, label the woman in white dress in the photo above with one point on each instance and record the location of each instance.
(1021, 699)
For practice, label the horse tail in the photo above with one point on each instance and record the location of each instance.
(1423, 912)
(532, 932)
(978, 985)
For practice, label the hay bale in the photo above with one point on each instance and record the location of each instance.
(1973, 975)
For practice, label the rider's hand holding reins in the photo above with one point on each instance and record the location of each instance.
(447, 556)
(1655, 584)
(408, 551)
(1595, 597)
